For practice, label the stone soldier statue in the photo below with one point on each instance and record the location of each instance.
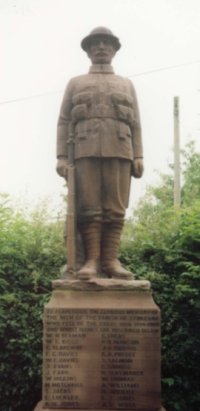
(103, 108)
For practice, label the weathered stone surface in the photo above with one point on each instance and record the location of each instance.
(39, 407)
(101, 284)
(99, 147)
(101, 350)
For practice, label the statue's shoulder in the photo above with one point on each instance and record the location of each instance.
(80, 78)
(123, 79)
(73, 83)
(124, 82)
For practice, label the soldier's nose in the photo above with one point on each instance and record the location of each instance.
(101, 44)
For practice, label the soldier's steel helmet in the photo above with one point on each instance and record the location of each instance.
(98, 32)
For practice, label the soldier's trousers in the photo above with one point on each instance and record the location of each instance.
(103, 186)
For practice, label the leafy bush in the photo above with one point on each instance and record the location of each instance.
(31, 253)
(162, 244)
(167, 252)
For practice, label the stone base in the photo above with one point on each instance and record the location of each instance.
(101, 348)
(101, 284)
(39, 407)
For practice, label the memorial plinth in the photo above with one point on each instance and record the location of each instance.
(101, 347)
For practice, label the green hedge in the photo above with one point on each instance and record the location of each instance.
(166, 250)
(31, 254)
(163, 248)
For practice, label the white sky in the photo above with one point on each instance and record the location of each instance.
(40, 52)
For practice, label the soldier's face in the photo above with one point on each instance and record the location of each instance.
(101, 51)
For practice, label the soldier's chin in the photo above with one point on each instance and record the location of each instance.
(101, 60)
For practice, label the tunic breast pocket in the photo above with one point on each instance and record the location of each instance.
(124, 131)
(81, 131)
(79, 112)
(82, 98)
(125, 113)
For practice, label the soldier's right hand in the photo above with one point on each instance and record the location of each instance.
(62, 167)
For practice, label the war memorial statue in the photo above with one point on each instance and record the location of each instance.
(100, 112)
(101, 339)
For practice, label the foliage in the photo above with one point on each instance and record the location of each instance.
(162, 244)
(191, 174)
(31, 253)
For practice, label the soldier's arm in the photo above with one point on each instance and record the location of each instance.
(137, 166)
(62, 131)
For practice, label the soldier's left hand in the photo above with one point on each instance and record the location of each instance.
(138, 167)
(62, 167)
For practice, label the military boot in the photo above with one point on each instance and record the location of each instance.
(111, 266)
(91, 240)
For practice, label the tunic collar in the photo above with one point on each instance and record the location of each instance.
(101, 68)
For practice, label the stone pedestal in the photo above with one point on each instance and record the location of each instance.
(101, 347)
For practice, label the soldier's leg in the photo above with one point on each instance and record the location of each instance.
(89, 213)
(115, 196)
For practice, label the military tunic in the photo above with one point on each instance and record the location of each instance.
(104, 112)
